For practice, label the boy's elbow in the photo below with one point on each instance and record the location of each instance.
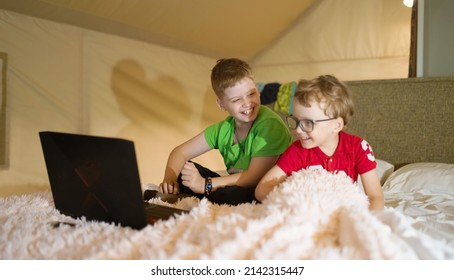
(262, 190)
(260, 195)
(268, 183)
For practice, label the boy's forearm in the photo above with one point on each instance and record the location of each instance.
(376, 203)
(170, 175)
(264, 188)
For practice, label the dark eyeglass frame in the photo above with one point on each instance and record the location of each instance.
(293, 123)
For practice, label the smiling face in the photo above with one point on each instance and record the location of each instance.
(325, 134)
(241, 101)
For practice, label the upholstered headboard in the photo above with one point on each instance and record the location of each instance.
(406, 120)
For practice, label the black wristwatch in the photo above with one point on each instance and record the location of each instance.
(208, 185)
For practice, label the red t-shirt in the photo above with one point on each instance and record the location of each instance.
(353, 156)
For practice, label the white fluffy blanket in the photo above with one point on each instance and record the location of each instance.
(312, 215)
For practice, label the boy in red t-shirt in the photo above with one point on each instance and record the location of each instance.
(321, 108)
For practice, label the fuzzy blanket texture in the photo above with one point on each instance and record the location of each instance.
(312, 215)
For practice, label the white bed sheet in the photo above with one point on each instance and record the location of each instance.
(431, 212)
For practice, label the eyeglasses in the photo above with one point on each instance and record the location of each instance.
(304, 124)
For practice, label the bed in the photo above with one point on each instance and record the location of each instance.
(312, 215)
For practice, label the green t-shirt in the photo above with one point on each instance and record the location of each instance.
(269, 136)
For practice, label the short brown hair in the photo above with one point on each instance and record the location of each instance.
(328, 89)
(227, 72)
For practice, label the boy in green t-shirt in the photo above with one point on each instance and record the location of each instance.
(250, 141)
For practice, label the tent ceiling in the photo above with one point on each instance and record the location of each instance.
(212, 28)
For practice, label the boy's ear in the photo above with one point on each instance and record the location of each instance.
(219, 102)
(339, 124)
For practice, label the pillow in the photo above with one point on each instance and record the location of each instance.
(384, 170)
(422, 175)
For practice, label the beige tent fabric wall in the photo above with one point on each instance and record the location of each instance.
(43, 90)
(352, 39)
(74, 80)
(152, 95)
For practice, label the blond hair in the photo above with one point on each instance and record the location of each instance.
(227, 72)
(330, 91)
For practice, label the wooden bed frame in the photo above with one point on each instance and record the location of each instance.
(406, 120)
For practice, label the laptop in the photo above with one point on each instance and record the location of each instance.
(98, 178)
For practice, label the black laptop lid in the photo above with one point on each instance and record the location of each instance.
(96, 177)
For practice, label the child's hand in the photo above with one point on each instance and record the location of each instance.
(169, 187)
(192, 179)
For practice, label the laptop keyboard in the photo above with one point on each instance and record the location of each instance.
(162, 211)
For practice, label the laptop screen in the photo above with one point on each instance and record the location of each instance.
(96, 177)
